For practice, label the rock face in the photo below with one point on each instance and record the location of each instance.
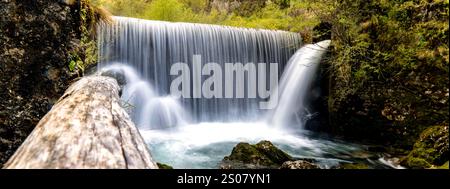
(430, 150)
(86, 129)
(259, 156)
(36, 38)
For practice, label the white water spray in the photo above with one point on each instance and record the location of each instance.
(147, 109)
(295, 85)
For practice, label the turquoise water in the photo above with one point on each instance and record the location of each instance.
(204, 145)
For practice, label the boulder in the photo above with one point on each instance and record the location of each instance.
(430, 150)
(259, 156)
(163, 166)
(299, 164)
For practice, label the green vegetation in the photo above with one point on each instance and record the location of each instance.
(389, 69)
(445, 166)
(385, 40)
(296, 16)
(85, 53)
(374, 40)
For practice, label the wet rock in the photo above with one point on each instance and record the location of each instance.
(299, 164)
(259, 156)
(164, 166)
(430, 150)
(118, 75)
(353, 166)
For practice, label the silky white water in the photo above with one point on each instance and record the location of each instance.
(152, 47)
(295, 85)
(198, 133)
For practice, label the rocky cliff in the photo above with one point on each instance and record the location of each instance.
(37, 40)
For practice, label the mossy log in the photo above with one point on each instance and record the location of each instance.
(87, 128)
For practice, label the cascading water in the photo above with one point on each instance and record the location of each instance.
(199, 132)
(295, 84)
(146, 108)
(152, 47)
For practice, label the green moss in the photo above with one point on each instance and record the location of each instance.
(262, 154)
(273, 153)
(415, 163)
(431, 149)
(85, 54)
(444, 166)
(247, 153)
(353, 166)
(390, 64)
(164, 166)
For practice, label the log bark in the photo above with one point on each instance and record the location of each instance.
(87, 128)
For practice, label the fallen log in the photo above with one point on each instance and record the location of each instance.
(87, 128)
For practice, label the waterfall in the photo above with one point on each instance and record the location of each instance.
(198, 132)
(147, 109)
(295, 84)
(152, 47)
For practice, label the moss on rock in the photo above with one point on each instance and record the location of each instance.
(430, 150)
(299, 164)
(164, 166)
(353, 166)
(261, 155)
(445, 166)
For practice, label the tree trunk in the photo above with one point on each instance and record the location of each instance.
(86, 128)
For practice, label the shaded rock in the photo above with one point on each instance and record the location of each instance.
(118, 75)
(164, 166)
(322, 31)
(299, 164)
(259, 156)
(352, 166)
(445, 166)
(37, 38)
(431, 149)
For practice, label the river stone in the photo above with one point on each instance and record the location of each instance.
(299, 164)
(430, 150)
(259, 156)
